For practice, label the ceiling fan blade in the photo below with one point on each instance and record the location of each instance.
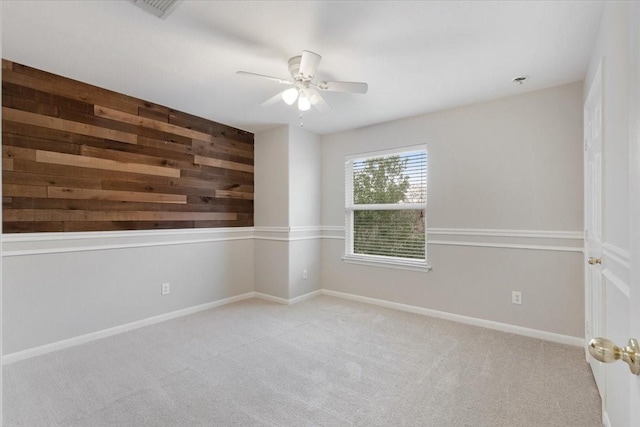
(309, 64)
(352, 87)
(317, 101)
(275, 79)
(274, 99)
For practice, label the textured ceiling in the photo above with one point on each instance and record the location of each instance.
(417, 57)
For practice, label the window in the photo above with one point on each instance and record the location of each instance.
(385, 208)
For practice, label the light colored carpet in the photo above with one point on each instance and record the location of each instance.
(323, 362)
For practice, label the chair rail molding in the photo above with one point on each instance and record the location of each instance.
(547, 240)
(288, 234)
(506, 246)
(19, 244)
(50, 243)
(485, 232)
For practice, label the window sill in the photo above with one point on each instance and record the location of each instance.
(399, 264)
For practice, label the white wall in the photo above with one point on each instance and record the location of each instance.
(53, 295)
(305, 182)
(271, 268)
(271, 210)
(287, 165)
(509, 164)
(304, 255)
(305, 196)
(271, 178)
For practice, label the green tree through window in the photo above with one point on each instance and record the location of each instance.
(380, 180)
(392, 231)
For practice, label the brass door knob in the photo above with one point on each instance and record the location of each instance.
(594, 261)
(605, 351)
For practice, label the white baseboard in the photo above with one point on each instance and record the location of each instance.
(270, 298)
(285, 301)
(82, 339)
(71, 342)
(305, 297)
(605, 420)
(504, 327)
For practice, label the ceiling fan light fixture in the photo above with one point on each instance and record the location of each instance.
(303, 103)
(305, 90)
(290, 95)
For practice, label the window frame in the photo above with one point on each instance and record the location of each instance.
(351, 207)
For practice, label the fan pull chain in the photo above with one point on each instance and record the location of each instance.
(301, 122)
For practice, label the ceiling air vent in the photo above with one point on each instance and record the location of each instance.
(159, 8)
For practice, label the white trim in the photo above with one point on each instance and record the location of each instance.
(333, 232)
(489, 232)
(380, 153)
(271, 229)
(305, 297)
(271, 298)
(82, 339)
(300, 228)
(51, 243)
(397, 263)
(276, 239)
(535, 234)
(351, 207)
(309, 232)
(288, 239)
(329, 228)
(388, 207)
(617, 282)
(489, 324)
(293, 228)
(288, 234)
(12, 253)
(329, 232)
(285, 301)
(48, 237)
(606, 422)
(506, 246)
(617, 254)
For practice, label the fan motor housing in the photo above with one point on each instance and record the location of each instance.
(294, 66)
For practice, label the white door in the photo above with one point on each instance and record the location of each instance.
(613, 287)
(634, 196)
(607, 268)
(594, 291)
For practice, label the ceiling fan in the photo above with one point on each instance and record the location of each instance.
(303, 69)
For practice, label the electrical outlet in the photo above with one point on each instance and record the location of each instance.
(165, 289)
(516, 297)
(305, 274)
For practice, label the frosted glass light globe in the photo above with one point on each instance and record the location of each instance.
(290, 95)
(303, 103)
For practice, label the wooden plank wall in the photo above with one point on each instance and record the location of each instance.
(76, 157)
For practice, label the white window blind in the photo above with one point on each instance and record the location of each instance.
(386, 200)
